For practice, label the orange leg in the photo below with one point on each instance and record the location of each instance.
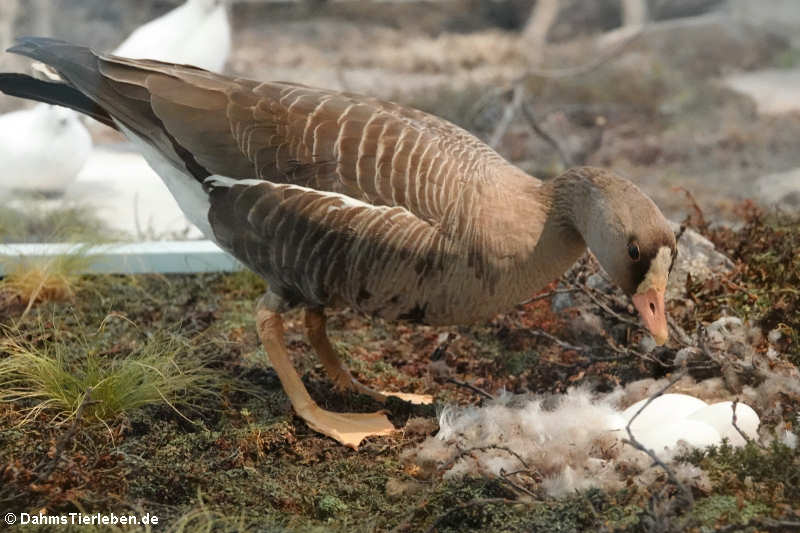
(342, 379)
(347, 428)
(334, 366)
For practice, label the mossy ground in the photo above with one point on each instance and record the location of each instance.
(240, 458)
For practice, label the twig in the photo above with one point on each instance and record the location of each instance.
(563, 344)
(656, 461)
(701, 219)
(514, 486)
(468, 451)
(509, 111)
(585, 68)
(519, 102)
(527, 112)
(547, 295)
(66, 437)
(474, 388)
(441, 349)
(734, 421)
(590, 293)
(680, 334)
(680, 233)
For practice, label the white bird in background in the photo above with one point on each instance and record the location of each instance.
(42, 149)
(196, 33)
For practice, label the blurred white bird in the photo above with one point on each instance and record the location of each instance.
(42, 149)
(196, 33)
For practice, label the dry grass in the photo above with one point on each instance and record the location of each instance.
(32, 280)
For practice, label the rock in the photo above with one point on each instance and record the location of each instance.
(723, 331)
(696, 256)
(588, 323)
(781, 17)
(781, 190)
(597, 282)
(774, 91)
(561, 301)
(647, 344)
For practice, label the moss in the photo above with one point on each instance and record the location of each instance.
(768, 476)
(248, 455)
(764, 286)
(329, 506)
(726, 509)
(518, 362)
(487, 505)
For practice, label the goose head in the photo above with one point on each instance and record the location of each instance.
(630, 237)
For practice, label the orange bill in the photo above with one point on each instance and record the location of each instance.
(650, 305)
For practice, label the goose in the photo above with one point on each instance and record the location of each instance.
(196, 33)
(42, 149)
(339, 200)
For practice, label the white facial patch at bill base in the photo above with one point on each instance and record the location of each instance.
(656, 277)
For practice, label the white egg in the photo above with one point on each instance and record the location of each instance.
(663, 439)
(663, 410)
(720, 415)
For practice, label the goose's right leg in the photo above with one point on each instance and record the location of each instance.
(338, 371)
(347, 428)
(334, 366)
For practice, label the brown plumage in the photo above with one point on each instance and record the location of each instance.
(339, 199)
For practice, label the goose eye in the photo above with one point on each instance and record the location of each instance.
(633, 251)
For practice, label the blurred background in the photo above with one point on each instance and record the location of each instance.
(697, 101)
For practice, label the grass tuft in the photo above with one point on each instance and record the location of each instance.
(56, 378)
(32, 280)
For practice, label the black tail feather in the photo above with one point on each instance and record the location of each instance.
(24, 86)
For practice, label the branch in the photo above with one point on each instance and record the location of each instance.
(585, 68)
(547, 295)
(449, 464)
(474, 388)
(744, 435)
(509, 111)
(527, 112)
(563, 344)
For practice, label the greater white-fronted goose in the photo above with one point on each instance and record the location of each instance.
(42, 149)
(196, 33)
(344, 200)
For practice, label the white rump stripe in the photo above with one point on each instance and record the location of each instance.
(224, 181)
